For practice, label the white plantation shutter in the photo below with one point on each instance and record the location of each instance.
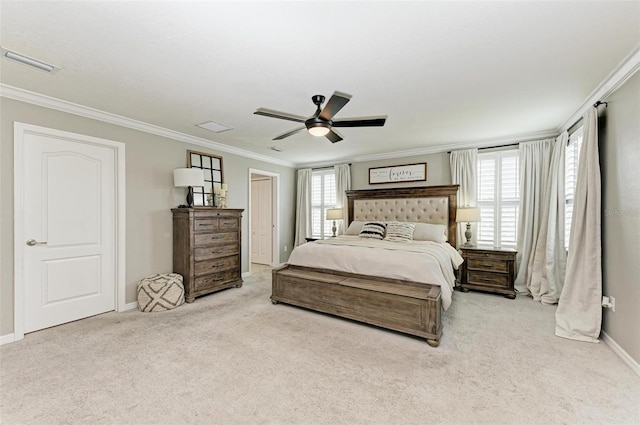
(571, 177)
(323, 197)
(498, 198)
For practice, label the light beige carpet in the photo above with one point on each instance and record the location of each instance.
(234, 358)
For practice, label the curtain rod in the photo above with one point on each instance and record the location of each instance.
(576, 124)
(326, 168)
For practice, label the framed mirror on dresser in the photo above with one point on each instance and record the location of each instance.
(212, 168)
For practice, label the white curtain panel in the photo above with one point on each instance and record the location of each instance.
(463, 172)
(343, 183)
(579, 313)
(534, 158)
(549, 255)
(303, 207)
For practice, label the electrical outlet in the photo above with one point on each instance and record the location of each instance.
(609, 302)
(286, 248)
(613, 304)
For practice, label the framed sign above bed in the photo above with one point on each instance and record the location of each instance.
(398, 173)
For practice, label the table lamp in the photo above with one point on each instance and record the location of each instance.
(334, 214)
(468, 215)
(190, 178)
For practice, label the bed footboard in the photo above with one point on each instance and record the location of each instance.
(403, 306)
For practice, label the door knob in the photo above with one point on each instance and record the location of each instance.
(33, 242)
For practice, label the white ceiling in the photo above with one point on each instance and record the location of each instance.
(445, 73)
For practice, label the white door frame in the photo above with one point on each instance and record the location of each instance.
(275, 219)
(19, 131)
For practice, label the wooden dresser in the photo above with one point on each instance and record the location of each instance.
(207, 249)
(489, 270)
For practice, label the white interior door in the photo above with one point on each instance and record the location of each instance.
(69, 222)
(261, 221)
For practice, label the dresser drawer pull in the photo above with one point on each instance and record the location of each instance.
(217, 265)
(485, 279)
(217, 237)
(217, 279)
(486, 265)
(205, 224)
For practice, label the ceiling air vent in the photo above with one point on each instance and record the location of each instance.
(26, 60)
(214, 126)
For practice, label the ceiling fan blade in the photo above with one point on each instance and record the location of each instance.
(333, 136)
(335, 103)
(361, 122)
(290, 133)
(281, 115)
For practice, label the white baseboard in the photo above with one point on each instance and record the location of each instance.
(629, 361)
(131, 306)
(8, 339)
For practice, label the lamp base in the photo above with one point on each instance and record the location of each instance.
(190, 197)
(468, 235)
(333, 228)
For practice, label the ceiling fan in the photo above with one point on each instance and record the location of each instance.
(322, 123)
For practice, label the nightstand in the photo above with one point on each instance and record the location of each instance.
(489, 270)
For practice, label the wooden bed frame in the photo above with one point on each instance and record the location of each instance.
(400, 305)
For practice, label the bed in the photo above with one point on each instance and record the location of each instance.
(386, 291)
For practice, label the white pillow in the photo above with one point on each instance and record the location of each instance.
(399, 231)
(373, 230)
(354, 228)
(430, 232)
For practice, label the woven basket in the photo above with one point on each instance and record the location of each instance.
(160, 292)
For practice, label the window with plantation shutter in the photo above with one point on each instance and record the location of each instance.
(498, 194)
(570, 180)
(323, 197)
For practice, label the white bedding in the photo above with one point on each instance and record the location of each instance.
(425, 262)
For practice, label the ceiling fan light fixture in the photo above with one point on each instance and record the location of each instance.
(318, 130)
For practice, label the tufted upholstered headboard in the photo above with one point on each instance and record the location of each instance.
(429, 204)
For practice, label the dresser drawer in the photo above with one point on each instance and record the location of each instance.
(230, 223)
(205, 224)
(211, 281)
(213, 266)
(487, 279)
(215, 251)
(206, 239)
(488, 264)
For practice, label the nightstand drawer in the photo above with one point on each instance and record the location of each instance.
(487, 279)
(488, 264)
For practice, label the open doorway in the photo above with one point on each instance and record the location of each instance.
(263, 218)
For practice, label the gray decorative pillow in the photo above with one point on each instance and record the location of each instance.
(373, 230)
(400, 232)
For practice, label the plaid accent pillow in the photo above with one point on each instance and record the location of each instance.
(373, 230)
(400, 232)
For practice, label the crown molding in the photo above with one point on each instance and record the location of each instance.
(482, 143)
(616, 78)
(38, 99)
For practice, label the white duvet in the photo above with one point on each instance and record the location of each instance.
(426, 262)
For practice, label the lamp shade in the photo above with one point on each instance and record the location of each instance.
(185, 177)
(468, 215)
(334, 213)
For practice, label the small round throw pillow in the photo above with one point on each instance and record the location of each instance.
(160, 292)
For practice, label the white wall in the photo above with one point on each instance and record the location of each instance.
(150, 194)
